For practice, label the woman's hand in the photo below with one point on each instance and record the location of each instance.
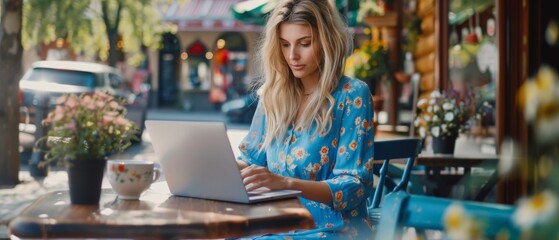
(241, 164)
(255, 177)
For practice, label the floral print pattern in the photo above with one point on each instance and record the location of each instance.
(342, 157)
(123, 174)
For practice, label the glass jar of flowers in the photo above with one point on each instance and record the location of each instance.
(443, 116)
(83, 131)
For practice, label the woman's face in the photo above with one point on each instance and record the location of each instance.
(301, 50)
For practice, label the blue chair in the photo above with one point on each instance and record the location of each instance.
(401, 209)
(392, 178)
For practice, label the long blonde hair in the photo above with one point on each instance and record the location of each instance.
(280, 91)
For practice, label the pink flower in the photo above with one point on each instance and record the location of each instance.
(107, 119)
(86, 100)
(122, 121)
(71, 103)
(57, 117)
(114, 105)
(87, 115)
(71, 125)
(61, 99)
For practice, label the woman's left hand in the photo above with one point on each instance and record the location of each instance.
(255, 177)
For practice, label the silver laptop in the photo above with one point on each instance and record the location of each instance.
(197, 161)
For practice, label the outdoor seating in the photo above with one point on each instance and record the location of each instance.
(401, 209)
(391, 178)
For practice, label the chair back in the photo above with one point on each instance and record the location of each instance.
(387, 150)
(401, 209)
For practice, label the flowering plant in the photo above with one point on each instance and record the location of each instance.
(369, 61)
(444, 115)
(369, 8)
(87, 127)
(538, 215)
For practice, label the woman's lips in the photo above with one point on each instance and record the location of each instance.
(297, 67)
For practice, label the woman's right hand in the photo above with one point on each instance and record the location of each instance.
(255, 177)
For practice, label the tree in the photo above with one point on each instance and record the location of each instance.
(10, 71)
(93, 27)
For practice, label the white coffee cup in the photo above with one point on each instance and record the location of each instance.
(129, 178)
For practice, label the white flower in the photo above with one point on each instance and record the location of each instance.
(416, 122)
(369, 7)
(447, 106)
(435, 118)
(552, 33)
(436, 108)
(449, 116)
(432, 101)
(547, 129)
(427, 118)
(435, 94)
(444, 127)
(435, 131)
(537, 209)
(422, 132)
(421, 102)
(460, 225)
(430, 109)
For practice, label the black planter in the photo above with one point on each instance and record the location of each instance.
(444, 145)
(85, 178)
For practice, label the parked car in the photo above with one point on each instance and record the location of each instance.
(50, 79)
(240, 110)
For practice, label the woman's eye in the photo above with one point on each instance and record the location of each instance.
(305, 44)
(285, 45)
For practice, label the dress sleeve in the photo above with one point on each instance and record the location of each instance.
(353, 171)
(252, 143)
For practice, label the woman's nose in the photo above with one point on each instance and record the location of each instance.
(293, 54)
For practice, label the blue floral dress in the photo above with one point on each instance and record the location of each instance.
(341, 157)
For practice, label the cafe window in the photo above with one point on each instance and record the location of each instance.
(470, 55)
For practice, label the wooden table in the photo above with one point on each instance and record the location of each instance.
(157, 214)
(437, 172)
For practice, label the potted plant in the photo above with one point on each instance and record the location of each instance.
(369, 63)
(83, 131)
(443, 117)
(369, 8)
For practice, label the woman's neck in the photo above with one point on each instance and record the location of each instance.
(309, 85)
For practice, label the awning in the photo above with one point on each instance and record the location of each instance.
(204, 15)
(255, 11)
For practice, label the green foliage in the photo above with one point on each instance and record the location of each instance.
(369, 61)
(412, 30)
(87, 127)
(81, 23)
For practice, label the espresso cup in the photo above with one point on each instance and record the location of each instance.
(129, 178)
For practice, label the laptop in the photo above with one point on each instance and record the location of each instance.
(198, 161)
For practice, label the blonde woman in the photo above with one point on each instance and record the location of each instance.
(312, 130)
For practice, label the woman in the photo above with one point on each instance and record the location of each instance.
(312, 130)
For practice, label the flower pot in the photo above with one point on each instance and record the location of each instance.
(444, 145)
(85, 178)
